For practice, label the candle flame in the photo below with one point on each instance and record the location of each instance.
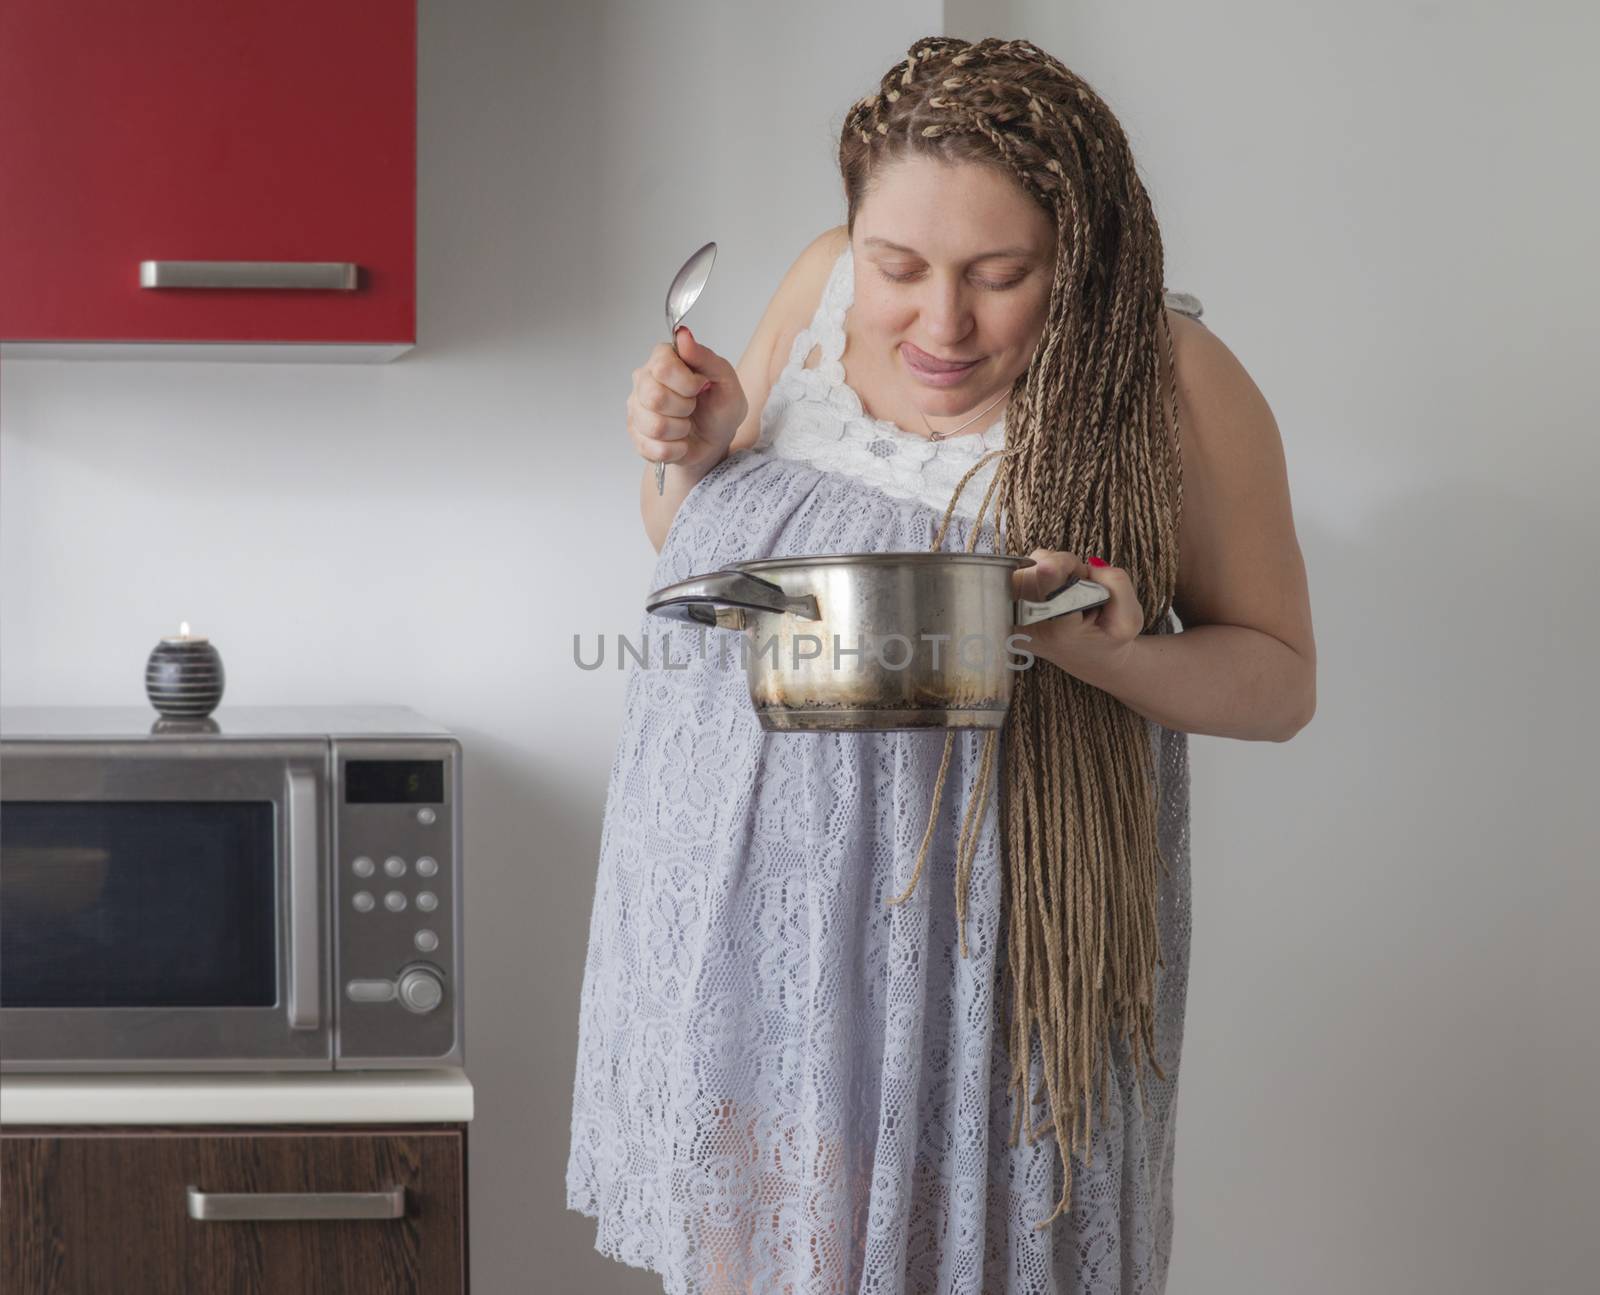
(183, 629)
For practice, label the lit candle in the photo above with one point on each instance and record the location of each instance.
(183, 677)
(183, 635)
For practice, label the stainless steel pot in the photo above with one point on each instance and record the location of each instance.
(874, 642)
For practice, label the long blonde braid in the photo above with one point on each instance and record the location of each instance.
(1092, 466)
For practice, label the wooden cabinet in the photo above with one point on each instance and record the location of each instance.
(89, 1210)
(247, 134)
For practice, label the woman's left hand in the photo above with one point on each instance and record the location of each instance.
(1092, 644)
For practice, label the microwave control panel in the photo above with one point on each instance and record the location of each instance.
(397, 903)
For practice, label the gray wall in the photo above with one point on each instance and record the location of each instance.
(1392, 1036)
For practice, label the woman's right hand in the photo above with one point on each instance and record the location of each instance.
(686, 405)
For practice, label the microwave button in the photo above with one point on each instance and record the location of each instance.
(421, 990)
(427, 901)
(363, 867)
(394, 901)
(426, 816)
(363, 901)
(370, 991)
(427, 866)
(426, 940)
(395, 866)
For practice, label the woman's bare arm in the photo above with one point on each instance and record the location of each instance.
(1245, 665)
(787, 313)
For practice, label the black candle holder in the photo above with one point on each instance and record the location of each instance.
(183, 677)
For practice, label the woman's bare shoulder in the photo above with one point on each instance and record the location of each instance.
(790, 310)
(801, 291)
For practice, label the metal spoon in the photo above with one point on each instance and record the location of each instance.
(683, 293)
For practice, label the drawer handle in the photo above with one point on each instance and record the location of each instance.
(336, 276)
(228, 1207)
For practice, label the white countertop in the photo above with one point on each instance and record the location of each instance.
(239, 1097)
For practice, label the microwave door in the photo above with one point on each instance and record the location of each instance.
(164, 906)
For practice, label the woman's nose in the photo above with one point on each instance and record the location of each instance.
(945, 313)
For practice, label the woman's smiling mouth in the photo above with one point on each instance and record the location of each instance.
(932, 369)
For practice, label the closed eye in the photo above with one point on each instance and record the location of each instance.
(984, 283)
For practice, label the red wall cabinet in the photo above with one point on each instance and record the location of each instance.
(248, 144)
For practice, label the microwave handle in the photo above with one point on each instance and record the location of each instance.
(305, 935)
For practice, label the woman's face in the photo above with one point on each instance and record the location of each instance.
(953, 263)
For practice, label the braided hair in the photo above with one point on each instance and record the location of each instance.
(1092, 466)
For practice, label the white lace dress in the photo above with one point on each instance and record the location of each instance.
(783, 1086)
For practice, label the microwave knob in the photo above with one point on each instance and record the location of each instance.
(421, 990)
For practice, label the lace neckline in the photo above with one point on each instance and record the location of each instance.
(837, 298)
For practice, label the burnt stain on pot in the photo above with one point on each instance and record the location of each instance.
(825, 719)
(792, 669)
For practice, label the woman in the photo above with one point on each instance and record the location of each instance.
(803, 1066)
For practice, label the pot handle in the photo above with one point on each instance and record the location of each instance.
(722, 598)
(1079, 596)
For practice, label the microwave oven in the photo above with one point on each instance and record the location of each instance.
(267, 889)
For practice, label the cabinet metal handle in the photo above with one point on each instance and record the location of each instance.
(336, 276)
(229, 1207)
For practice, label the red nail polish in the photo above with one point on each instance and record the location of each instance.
(1098, 562)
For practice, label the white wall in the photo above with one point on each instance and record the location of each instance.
(1387, 212)
(434, 531)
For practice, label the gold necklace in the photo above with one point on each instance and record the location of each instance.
(940, 436)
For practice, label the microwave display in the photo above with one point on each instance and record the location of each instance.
(138, 904)
(393, 782)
